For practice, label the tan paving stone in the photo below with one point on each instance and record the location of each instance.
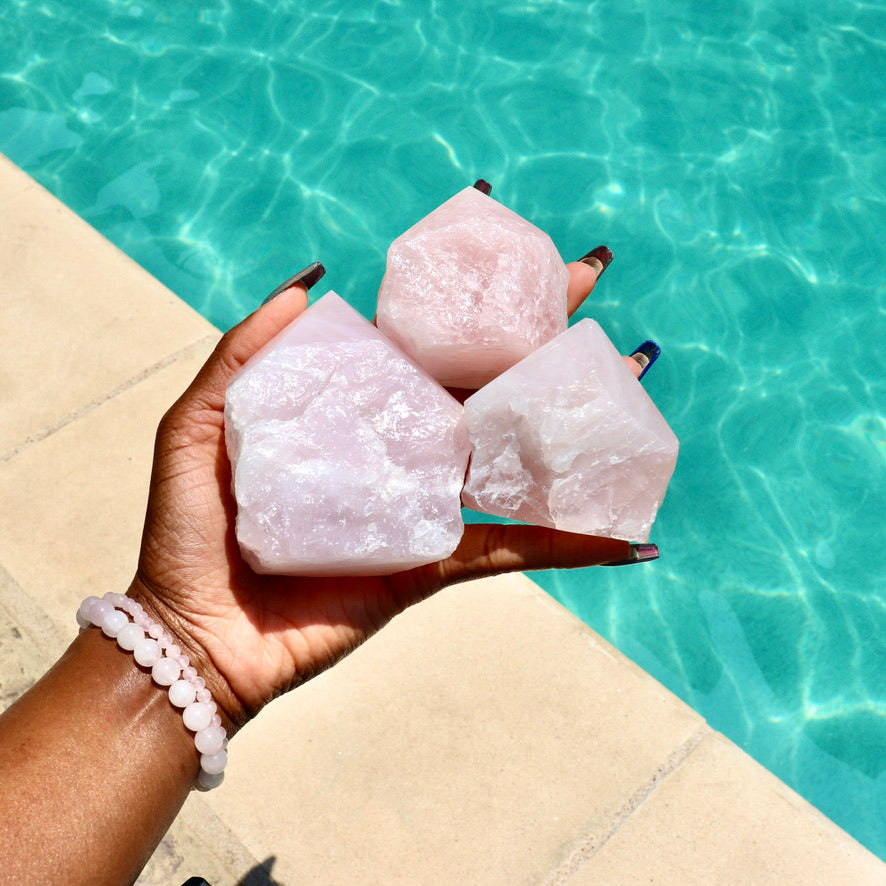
(199, 844)
(72, 504)
(721, 818)
(79, 318)
(469, 742)
(29, 642)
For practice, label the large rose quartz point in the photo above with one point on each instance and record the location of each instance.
(347, 458)
(568, 438)
(471, 289)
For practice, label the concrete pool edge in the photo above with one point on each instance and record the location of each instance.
(514, 744)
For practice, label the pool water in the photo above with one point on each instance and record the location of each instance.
(732, 155)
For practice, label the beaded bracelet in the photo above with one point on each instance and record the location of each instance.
(153, 648)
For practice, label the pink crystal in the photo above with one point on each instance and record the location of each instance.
(347, 458)
(568, 438)
(471, 289)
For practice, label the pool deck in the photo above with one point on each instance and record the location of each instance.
(485, 737)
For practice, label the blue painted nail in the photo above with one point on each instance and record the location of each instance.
(646, 355)
(306, 276)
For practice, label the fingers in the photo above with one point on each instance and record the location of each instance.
(281, 307)
(633, 365)
(583, 276)
(489, 549)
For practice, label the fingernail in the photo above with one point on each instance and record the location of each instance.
(482, 185)
(646, 355)
(307, 277)
(598, 258)
(640, 553)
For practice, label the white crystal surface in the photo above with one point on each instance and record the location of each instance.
(569, 438)
(471, 289)
(347, 458)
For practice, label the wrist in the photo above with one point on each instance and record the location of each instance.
(141, 708)
(195, 643)
(126, 621)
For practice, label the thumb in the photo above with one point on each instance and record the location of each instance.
(207, 391)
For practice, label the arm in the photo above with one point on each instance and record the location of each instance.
(96, 764)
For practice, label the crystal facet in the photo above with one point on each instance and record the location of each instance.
(347, 458)
(471, 289)
(568, 438)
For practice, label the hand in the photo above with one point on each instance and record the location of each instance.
(253, 637)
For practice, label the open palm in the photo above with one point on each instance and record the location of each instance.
(255, 636)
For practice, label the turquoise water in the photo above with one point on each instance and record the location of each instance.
(733, 156)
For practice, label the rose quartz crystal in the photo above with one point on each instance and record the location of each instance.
(347, 458)
(472, 289)
(568, 438)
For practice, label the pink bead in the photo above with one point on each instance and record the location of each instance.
(98, 611)
(84, 611)
(206, 782)
(182, 660)
(165, 672)
(142, 620)
(87, 604)
(189, 673)
(198, 682)
(114, 622)
(181, 693)
(147, 652)
(172, 649)
(210, 740)
(129, 635)
(155, 630)
(216, 720)
(127, 604)
(197, 716)
(204, 696)
(213, 764)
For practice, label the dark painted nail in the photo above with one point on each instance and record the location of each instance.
(646, 355)
(307, 277)
(601, 255)
(482, 185)
(640, 553)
